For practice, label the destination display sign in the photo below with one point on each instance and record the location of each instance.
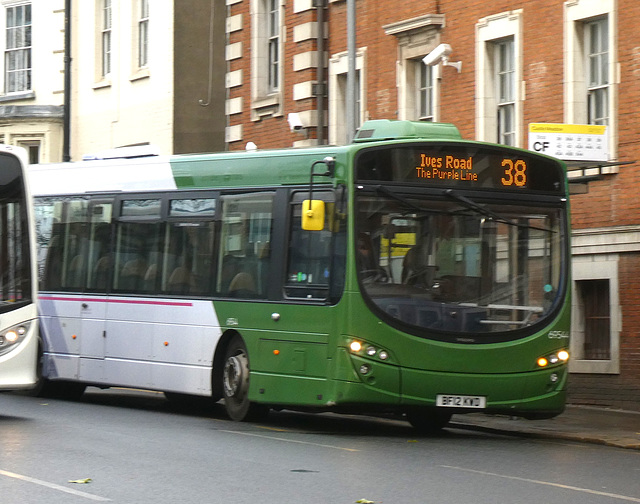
(461, 165)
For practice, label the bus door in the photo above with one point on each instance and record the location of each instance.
(61, 234)
(95, 280)
(291, 349)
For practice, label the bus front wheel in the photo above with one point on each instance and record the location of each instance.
(428, 421)
(235, 384)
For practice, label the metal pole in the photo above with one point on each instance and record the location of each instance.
(66, 119)
(320, 5)
(351, 73)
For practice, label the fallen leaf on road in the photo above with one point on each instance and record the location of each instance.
(81, 481)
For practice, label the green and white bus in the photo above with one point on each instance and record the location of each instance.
(18, 279)
(410, 272)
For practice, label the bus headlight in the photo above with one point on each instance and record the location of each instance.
(555, 358)
(11, 336)
(359, 347)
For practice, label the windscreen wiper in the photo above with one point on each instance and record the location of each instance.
(408, 204)
(472, 205)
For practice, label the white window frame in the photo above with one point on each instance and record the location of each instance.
(425, 91)
(143, 34)
(504, 78)
(417, 37)
(577, 16)
(273, 43)
(24, 73)
(490, 31)
(33, 145)
(338, 70)
(596, 34)
(106, 36)
(267, 75)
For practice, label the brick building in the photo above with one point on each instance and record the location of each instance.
(512, 63)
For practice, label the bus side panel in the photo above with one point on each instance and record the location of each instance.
(289, 349)
(155, 343)
(161, 344)
(92, 340)
(60, 326)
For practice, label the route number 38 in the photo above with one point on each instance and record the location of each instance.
(515, 173)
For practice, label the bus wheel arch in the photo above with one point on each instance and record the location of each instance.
(231, 379)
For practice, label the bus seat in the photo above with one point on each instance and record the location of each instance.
(230, 267)
(101, 272)
(242, 285)
(180, 280)
(76, 272)
(132, 274)
(150, 277)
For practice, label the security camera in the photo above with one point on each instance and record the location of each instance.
(295, 123)
(437, 55)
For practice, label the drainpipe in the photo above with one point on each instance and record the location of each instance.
(66, 120)
(351, 73)
(320, 86)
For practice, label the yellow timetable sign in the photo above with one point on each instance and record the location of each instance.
(580, 142)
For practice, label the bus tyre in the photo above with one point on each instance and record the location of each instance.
(39, 388)
(428, 421)
(235, 384)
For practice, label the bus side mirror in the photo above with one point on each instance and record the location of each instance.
(313, 215)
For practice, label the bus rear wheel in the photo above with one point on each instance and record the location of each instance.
(235, 384)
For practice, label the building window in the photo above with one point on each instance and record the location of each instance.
(273, 31)
(590, 77)
(505, 82)
(338, 98)
(106, 37)
(143, 34)
(498, 74)
(418, 84)
(266, 58)
(33, 150)
(425, 88)
(596, 313)
(594, 298)
(597, 44)
(18, 49)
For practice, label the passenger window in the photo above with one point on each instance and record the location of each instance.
(138, 245)
(137, 250)
(99, 252)
(63, 237)
(188, 264)
(245, 245)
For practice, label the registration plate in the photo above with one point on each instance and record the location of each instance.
(461, 401)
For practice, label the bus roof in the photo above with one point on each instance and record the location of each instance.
(187, 171)
(223, 169)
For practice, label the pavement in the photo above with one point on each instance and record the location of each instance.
(604, 426)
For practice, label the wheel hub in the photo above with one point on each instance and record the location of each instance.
(235, 376)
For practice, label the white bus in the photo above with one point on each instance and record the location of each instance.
(18, 279)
